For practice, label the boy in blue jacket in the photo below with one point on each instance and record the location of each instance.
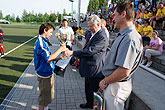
(44, 65)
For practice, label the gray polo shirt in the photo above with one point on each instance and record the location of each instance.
(128, 49)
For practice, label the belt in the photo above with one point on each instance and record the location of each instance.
(124, 80)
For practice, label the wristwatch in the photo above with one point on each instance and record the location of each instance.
(104, 82)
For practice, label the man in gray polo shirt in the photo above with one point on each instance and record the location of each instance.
(123, 57)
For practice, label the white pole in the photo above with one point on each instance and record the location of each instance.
(78, 20)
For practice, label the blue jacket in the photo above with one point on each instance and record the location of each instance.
(92, 57)
(41, 55)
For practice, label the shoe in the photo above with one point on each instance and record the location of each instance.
(148, 64)
(86, 106)
(144, 61)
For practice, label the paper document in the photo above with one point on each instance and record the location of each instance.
(63, 62)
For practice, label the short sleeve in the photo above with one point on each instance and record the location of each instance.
(126, 54)
(150, 28)
(159, 41)
(71, 30)
(58, 32)
(157, 14)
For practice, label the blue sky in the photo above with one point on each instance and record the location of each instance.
(16, 7)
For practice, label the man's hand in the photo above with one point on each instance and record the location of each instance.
(68, 52)
(102, 85)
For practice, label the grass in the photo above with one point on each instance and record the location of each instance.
(13, 65)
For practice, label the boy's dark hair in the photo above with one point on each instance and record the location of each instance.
(64, 20)
(128, 7)
(45, 26)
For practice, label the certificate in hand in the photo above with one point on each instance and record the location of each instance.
(63, 62)
(60, 66)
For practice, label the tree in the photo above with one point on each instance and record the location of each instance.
(7, 17)
(24, 16)
(60, 17)
(1, 15)
(46, 17)
(64, 13)
(12, 18)
(52, 17)
(94, 5)
(18, 20)
(40, 16)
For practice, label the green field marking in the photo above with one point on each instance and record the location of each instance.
(15, 35)
(13, 65)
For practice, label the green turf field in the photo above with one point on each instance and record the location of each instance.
(13, 65)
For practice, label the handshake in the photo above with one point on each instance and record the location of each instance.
(66, 51)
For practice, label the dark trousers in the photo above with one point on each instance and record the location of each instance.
(146, 41)
(91, 86)
(153, 3)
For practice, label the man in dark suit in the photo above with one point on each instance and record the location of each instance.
(92, 58)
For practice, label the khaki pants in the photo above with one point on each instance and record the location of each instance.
(116, 94)
(46, 87)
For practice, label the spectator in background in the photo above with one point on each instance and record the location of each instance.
(80, 33)
(153, 15)
(138, 14)
(75, 29)
(99, 11)
(141, 6)
(2, 51)
(155, 48)
(160, 16)
(44, 65)
(148, 6)
(145, 16)
(103, 26)
(138, 27)
(147, 33)
(65, 29)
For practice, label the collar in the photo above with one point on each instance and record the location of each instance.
(124, 31)
(95, 33)
(45, 39)
(64, 27)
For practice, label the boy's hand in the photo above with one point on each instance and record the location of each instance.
(63, 48)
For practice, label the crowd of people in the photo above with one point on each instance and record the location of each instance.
(148, 13)
(110, 70)
(145, 10)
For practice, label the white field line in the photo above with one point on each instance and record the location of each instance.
(18, 47)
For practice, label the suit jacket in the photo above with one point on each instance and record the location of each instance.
(92, 56)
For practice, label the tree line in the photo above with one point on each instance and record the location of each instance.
(95, 5)
(35, 18)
